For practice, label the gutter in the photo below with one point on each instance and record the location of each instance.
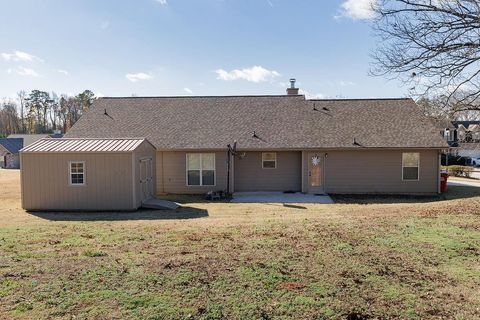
(301, 149)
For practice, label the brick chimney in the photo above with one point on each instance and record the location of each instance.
(292, 91)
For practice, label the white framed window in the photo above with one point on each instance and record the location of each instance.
(200, 169)
(410, 166)
(77, 173)
(269, 160)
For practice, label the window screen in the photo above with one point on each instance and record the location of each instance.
(200, 169)
(269, 160)
(410, 166)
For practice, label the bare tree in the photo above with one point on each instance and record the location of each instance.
(9, 122)
(41, 112)
(444, 107)
(22, 95)
(434, 107)
(434, 44)
(39, 104)
(53, 111)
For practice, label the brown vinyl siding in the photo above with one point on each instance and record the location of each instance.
(348, 172)
(250, 176)
(159, 173)
(351, 172)
(108, 182)
(171, 173)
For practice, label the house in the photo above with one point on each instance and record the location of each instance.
(463, 137)
(9, 148)
(28, 139)
(283, 143)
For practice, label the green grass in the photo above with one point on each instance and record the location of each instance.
(399, 267)
(94, 254)
(385, 261)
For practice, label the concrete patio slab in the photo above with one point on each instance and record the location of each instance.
(279, 197)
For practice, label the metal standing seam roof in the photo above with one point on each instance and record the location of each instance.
(84, 145)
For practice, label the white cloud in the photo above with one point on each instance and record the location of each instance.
(64, 72)
(357, 9)
(24, 72)
(310, 95)
(19, 56)
(134, 77)
(188, 90)
(162, 2)
(253, 74)
(346, 83)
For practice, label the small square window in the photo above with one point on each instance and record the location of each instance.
(77, 173)
(269, 160)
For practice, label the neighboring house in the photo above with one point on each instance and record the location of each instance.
(28, 139)
(9, 148)
(284, 143)
(463, 137)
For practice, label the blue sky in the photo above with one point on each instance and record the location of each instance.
(184, 47)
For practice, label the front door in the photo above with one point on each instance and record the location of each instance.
(315, 173)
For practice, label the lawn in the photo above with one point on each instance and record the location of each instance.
(362, 258)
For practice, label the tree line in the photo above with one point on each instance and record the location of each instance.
(42, 112)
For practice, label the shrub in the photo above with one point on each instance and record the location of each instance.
(460, 171)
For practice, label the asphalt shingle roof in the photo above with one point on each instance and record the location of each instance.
(28, 139)
(13, 145)
(279, 122)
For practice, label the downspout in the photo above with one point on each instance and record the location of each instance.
(439, 174)
(163, 174)
(228, 172)
(231, 152)
(324, 182)
(232, 175)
